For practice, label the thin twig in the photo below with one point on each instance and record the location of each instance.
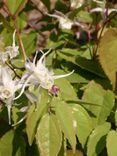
(17, 30)
(13, 70)
(20, 41)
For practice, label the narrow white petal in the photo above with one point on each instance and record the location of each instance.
(23, 88)
(97, 10)
(56, 16)
(22, 119)
(99, 2)
(79, 24)
(14, 38)
(43, 56)
(34, 60)
(111, 10)
(61, 76)
(9, 113)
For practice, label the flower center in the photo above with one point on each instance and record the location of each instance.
(6, 93)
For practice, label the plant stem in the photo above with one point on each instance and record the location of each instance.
(17, 30)
(104, 24)
(13, 70)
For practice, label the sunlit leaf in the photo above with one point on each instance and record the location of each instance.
(67, 91)
(21, 21)
(83, 123)
(49, 136)
(15, 6)
(95, 94)
(108, 55)
(65, 117)
(97, 139)
(11, 144)
(34, 115)
(112, 143)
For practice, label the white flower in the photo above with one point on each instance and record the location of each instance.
(76, 3)
(64, 21)
(8, 87)
(13, 50)
(38, 74)
(9, 51)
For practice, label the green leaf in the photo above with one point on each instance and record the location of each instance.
(5, 22)
(84, 16)
(21, 20)
(108, 55)
(83, 123)
(54, 45)
(46, 3)
(92, 66)
(112, 143)
(67, 91)
(29, 41)
(15, 6)
(49, 136)
(34, 114)
(73, 78)
(77, 153)
(18, 63)
(95, 94)
(97, 139)
(11, 144)
(116, 117)
(68, 54)
(65, 117)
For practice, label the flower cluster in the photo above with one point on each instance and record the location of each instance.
(36, 73)
(8, 52)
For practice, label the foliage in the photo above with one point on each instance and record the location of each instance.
(58, 78)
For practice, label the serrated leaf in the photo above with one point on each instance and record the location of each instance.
(15, 6)
(49, 136)
(108, 55)
(92, 66)
(11, 144)
(67, 91)
(97, 139)
(33, 116)
(65, 117)
(83, 123)
(95, 94)
(112, 143)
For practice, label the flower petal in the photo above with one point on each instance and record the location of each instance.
(61, 76)
(42, 57)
